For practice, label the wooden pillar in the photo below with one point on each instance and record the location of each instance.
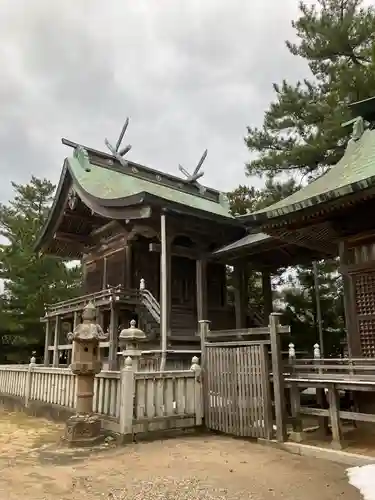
(319, 319)
(128, 282)
(295, 407)
(201, 280)
(113, 336)
(165, 288)
(267, 296)
(352, 331)
(278, 378)
(334, 413)
(56, 342)
(47, 342)
(241, 294)
(104, 282)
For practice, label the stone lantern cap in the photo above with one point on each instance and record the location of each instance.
(132, 334)
(88, 330)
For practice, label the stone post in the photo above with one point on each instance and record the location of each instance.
(84, 428)
(28, 384)
(198, 394)
(129, 339)
(127, 382)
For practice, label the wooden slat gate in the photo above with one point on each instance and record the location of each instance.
(237, 389)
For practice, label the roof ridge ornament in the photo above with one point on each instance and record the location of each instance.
(193, 178)
(359, 126)
(224, 200)
(116, 151)
(82, 156)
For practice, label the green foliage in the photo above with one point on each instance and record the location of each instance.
(302, 134)
(248, 199)
(297, 291)
(300, 311)
(302, 129)
(30, 280)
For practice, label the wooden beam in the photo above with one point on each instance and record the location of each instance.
(89, 219)
(72, 238)
(110, 226)
(365, 237)
(111, 246)
(320, 238)
(145, 230)
(179, 251)
(361, 267)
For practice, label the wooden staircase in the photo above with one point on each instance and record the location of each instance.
(183, 321)
(184, 324)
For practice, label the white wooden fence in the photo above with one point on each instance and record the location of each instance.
(129, 402)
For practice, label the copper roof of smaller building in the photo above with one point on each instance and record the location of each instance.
(265, 251)
(353, 173)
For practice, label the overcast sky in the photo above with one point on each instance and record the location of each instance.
(190, 74)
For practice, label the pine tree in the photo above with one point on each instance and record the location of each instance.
(30, 280)
(297, 290)
(248, 199)
(301, 308)
(302, 131)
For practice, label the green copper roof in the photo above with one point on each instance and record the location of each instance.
(247, 241)
(110, 185)
(354, 172)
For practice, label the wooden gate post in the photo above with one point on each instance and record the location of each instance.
(204, 328)
(278, 377)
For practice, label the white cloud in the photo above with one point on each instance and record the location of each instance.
(190, 74)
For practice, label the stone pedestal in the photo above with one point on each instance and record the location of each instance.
(84, 428)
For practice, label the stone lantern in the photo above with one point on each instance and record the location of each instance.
(85, 427)
(129, 340)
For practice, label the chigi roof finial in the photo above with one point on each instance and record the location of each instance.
(193, 178)
(116, 151)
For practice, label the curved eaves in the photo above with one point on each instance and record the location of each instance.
(56, 212)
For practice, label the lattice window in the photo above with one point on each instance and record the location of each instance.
(364, 285)
(367, 336)
(365, 294)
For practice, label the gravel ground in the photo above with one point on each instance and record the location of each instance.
(205, 467)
